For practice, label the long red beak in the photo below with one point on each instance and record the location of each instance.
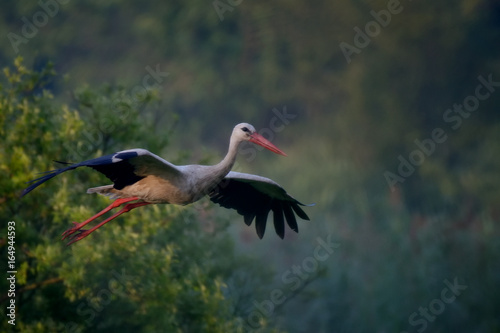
(262, 141)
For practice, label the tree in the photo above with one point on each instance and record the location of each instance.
(161, 269)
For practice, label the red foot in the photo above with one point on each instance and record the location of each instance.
(81, 234)
(75, 233)
(76, 226)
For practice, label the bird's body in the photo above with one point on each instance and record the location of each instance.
(180, 188)
(141, 176)
(158, 184)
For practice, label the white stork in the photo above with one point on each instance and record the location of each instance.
(141, 176)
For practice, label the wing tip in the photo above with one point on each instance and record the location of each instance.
(62, 162)
(40, 180)
(25, 191)
(300, 212)
(305, 205)
(260, 230)
(260, 223)
(279, 220)
(248, 219)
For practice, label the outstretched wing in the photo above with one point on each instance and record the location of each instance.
(122, 168)
(254, 197)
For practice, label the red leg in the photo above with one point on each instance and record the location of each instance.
(84, 233)
(78, 226)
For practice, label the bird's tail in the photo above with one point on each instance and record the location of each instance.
(106, 190)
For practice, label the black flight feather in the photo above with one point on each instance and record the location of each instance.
(248, 199)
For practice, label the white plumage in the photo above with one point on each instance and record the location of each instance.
(141, 178)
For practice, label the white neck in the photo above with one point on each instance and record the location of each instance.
(221, 169)
(213, 175)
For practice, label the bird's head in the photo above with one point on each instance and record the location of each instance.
(246, 132)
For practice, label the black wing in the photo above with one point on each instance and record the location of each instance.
(254, 197)
(122, 168)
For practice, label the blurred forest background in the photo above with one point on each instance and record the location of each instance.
(389, 114)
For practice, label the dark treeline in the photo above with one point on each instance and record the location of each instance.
(388, 111)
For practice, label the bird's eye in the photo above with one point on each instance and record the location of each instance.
(244, 129)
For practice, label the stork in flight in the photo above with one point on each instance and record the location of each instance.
(141, 176)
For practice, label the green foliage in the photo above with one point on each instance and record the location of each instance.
(352, 123)
(156, 270)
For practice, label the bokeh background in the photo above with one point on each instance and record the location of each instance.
(388, 111)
